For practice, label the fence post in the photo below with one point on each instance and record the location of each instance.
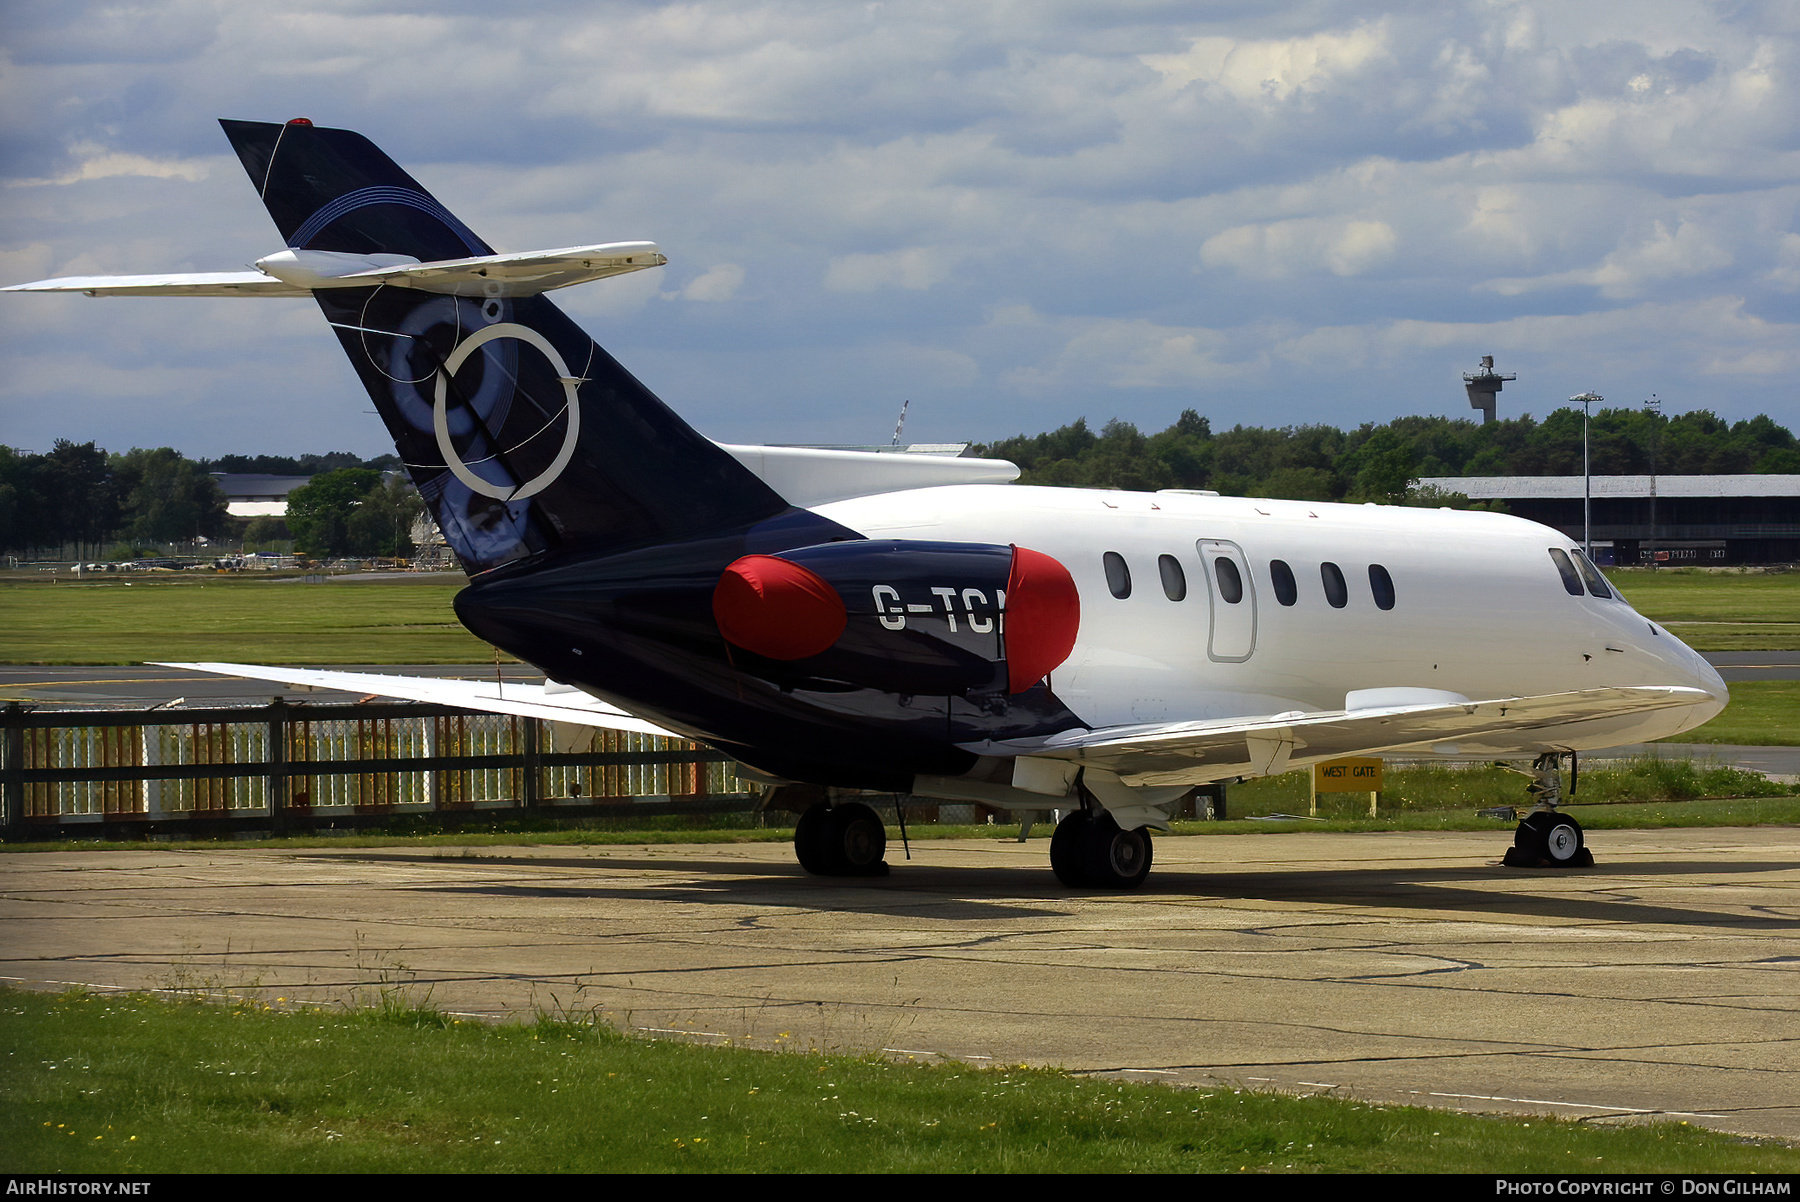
(528, 776)
(276, 755)
(12, 762)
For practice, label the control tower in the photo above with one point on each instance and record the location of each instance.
(1483, 386)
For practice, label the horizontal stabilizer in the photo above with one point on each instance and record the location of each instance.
(203, 283)
(484, 696)
(301, 272)
(1196, 752)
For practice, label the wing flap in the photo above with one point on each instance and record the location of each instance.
(1195, 752)
(487, 696)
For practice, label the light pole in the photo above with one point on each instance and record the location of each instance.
(1587, 504)
(1653, 407)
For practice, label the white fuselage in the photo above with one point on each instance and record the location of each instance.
(1479, 608)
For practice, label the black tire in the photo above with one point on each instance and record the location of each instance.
(1065, 849)
(1115, 859)
(1551, 838)
(810, 840)
(857, 841)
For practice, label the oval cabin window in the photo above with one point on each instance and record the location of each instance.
(1118, 575)
(1174, 580)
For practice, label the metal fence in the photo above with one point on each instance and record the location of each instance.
(297, 767)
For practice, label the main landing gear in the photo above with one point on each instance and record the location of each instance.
(841, 840)
(1547, 838)
(1089, 850)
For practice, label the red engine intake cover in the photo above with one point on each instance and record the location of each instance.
(777, 608)
(1043, 616)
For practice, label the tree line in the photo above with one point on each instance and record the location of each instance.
(1379, 462)
(79, 498)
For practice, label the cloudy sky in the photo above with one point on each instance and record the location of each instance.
(1013, 214)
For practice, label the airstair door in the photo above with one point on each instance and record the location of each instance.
(1232, 593)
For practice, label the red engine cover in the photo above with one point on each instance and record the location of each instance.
(777, 608)
(1043, 616)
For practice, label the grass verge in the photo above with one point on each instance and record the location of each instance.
(128, 1084)
(232, 618)
(1762, 713)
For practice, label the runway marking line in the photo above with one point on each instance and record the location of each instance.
(1481, 1097)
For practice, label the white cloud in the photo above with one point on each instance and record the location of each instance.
(96, 162)
(1272, 71)
(1031, 211)
(1284, 248)
(718, 284)
(1689, 250)
(917, 268)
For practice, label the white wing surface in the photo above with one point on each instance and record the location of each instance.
(549, 702)
(1194, 752)
(204, 283)
(300, 272)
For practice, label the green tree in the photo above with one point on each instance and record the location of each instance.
(166, 497)
(319, 511)
(382, 523)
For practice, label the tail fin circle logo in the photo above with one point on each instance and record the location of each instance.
(440, 414)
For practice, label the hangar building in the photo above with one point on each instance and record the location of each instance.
(1677, 520)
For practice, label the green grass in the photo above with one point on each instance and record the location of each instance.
(1762, 713)
(232, 618)
(127, 1084)
(1718, 611)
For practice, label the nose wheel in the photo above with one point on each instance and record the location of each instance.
(1547, 838)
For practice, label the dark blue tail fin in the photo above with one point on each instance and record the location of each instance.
(521, 433)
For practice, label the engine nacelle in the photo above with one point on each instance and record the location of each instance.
(918, 618)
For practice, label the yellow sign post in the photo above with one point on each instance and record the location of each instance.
(1356, 774)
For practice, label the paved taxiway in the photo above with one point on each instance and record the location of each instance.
(1398, 966)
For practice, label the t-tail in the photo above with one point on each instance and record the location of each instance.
(524, 437)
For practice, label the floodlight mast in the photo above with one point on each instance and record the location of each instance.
(1587, 505)
(1653, 407)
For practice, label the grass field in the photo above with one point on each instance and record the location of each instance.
(1718, 611)
(1762, 713)
(127, 1084)
(222, 617)
(233, 618)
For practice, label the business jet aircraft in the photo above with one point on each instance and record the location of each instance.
(910, 625)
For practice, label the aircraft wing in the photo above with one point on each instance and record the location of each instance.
(524, 274)
(299, 273)
(1194, 752)
(550, 702)
(203, 283)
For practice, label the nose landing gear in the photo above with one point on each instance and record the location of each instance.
(1547, 838)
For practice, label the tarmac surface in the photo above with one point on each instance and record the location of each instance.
(1398, 967)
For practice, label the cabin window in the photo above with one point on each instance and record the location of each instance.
(1231, 585)
(1382, 585)
(1282, 577)
(1174, 580)
(1118, 575)
(1570, 577)
(1596, 583)
(1336, 591)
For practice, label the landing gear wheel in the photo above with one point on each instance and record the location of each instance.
(1547, 839)
(809, 839)
(856, 841)
(846, 840)
(1065, 848)
(1112, 858)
